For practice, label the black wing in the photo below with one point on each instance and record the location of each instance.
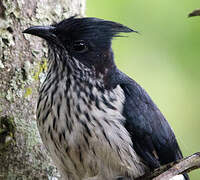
(151, 134)
(152, 137)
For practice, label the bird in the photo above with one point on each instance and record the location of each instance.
(96, 122)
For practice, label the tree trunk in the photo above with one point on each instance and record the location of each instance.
(22, 67)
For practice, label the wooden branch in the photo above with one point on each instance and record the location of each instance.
(194, 13)
(168, 171)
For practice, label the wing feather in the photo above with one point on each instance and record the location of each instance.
(151, 134)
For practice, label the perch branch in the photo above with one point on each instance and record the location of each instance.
(168, 171)
(194, 13)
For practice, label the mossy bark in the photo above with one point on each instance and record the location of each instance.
(22, 68)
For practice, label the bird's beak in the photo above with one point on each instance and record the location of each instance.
(45, 32)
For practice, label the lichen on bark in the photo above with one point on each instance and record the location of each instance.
(7, 131)
(23, 63)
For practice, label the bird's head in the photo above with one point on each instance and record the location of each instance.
(87, 40)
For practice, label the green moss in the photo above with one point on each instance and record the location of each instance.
(28, 92)
(7, 131)
(42, 67)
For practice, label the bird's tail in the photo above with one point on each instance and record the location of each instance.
(177, 177)
(180, 177)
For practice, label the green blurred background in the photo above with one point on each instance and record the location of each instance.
(164, 58)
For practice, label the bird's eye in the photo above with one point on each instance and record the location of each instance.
(80, 46)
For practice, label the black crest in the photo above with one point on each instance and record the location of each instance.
(90, 29)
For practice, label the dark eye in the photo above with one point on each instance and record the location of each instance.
(80, 46)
